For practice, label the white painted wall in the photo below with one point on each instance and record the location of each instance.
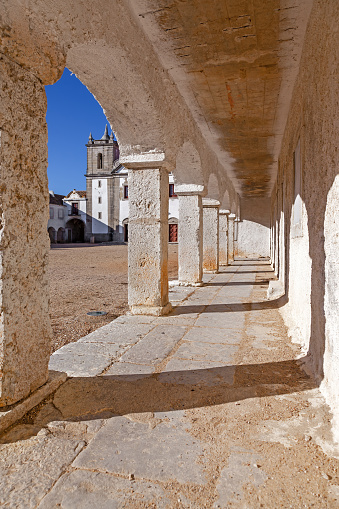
(254, 228)
(99, 225)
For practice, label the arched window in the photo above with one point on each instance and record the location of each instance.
(99, 161)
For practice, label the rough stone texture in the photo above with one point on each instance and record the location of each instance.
(311, 270)
(231, 219)
(190, 252)
(84, 490)
(21, 466)
(160, 454)
(223, 237)
(25, 331)
(148, 241)
(155, 346)
(211, 235)
(10, 415)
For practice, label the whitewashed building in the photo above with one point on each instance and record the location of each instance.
(107, 208)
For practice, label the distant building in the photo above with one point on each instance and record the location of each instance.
(107, 194)
(57, 218)
(101, 213)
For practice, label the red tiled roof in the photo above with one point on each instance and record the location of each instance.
(82, 194)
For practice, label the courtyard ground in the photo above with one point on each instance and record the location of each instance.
(205, 408)
(89, 278)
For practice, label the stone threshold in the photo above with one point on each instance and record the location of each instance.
(13, 413)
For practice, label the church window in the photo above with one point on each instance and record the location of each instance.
(99, 199)
(126, 192)
(99, 183)
(99, 215)
(99, 161)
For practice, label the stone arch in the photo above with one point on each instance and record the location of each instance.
(213, 187)
(188, 166)
(61, 235)
(77, 227)
(225, 201)
(52, 235)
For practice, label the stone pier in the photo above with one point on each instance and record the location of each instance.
(190, 234)
(231, 219)
(148, 240)
(211, 235)
(25, 331)
(223, 237)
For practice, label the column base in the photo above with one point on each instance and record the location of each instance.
(189, 283)
(223, 264)
(211, 271)
(151, 310)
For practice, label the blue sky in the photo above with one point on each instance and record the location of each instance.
(72, 113)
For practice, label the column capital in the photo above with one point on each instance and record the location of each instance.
(224, 212)
(190, 190)
(144, 161)
(232, 217)
(210, 203)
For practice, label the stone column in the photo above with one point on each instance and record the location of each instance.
(223, 237)
(190, 234)
(148, 239)
(211, 234)
(25, 332)
(231, 219)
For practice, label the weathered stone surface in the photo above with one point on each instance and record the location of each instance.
(129, 372)
(214, 335)
(194, 350)
(162, 453)
(241, 470)
(155, 346)
(223, 237)
(148, 241)
(218, 315)
(197, 373)
(84, 490)
(85, 359)
(25, 331)
(9, 416)
(211, 235)
(30, 466)
(120, 334)
(190, 254)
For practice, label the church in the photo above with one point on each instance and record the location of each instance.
(100, 214)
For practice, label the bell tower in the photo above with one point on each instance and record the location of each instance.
(101, 155)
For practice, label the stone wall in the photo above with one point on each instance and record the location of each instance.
(254, 228)
(311, 265)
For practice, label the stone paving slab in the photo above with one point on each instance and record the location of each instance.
(82, 489)
(128, 372)
(222, 319)
(155, 346)
(214, 335)
(29, 470)
(84, 359)
(121, 334)
(200, 351)
(196, 373)
(125, 447)
(242, 469)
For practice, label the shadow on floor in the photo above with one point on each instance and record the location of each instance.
(89, 398)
